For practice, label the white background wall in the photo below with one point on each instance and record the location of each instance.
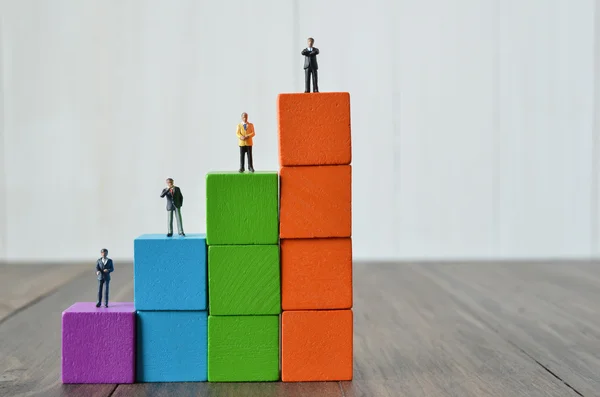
(475, 122)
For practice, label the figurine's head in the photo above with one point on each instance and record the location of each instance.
(104, 252)
(245, 117)
(310, 41)
(170, 182)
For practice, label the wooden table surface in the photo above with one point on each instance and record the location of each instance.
(422, 330)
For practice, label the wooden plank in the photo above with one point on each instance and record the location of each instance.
(551, 311)
(31, 340)
(379, 388)
(22, 284)
(162, 389)
(276, 389)
(78, 391)
(410, 331)
(414, 336)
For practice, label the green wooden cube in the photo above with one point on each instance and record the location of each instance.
(243, 348)
(244, 280)
(242, 208)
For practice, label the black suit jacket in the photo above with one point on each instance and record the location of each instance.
(100, 268)
(175, 200)
(310, 58)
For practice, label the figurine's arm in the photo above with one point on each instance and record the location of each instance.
(109, 266)
(165, 190)
(251, 132)
(315, 51)
(305, 51)
(238, 132)
(98, 267)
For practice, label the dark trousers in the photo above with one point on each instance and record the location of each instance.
(307, 73)
(100, 283)
(243, 151)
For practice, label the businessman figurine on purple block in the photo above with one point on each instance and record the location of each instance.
(104, 267)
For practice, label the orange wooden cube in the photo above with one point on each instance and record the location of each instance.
(315, 202)
(314, 129)
(316, 345)
(316, 274)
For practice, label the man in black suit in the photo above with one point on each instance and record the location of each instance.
(104, 267)
(310, 66)
(174, 204)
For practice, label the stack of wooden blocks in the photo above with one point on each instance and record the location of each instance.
(169, 289)
(209, 307)
(244, 276)
(315, 228)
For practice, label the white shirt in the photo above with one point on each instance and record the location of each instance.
(104, 260)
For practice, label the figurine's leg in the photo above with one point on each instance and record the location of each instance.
(250, 162)
(100, 282)
(170, 223)
(106, 293)
(242, 159)
(315, 79)
(307, 80)
(179, 221)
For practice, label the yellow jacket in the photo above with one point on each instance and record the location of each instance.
(248, 132)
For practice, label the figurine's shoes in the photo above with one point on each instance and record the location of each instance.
(182, 234)
(106, 305)
(98, 304)
(241, 170)
(251, 169)
(169, 234)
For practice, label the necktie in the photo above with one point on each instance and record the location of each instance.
(244, 125)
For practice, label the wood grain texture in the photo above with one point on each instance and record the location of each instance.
(171, 346)
(423, 330)
(361, 388)
(98, 343)
(24, 284)
(325, 389)
(170, 272)
(243, 348)
(314, 129)
(242, 208)
(244, 280)
(316, 274)
(31, 340)
(316, 345)
(316, 202)
(549, 311)
(409, 330)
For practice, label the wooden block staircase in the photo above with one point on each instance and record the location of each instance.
(264, 295)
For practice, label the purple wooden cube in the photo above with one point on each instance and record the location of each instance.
(98, 343)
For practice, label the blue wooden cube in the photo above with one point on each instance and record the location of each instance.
(170, 272)
(172, 346)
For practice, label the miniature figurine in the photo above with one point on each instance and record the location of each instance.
(310, 66)
(174, 204)
(104, 267)
(245, 132)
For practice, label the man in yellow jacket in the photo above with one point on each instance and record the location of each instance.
(245, 132)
